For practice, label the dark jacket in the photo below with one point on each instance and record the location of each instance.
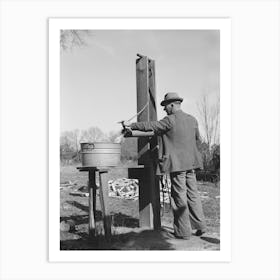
(178, 134)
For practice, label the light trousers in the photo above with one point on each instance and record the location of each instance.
(186, 204)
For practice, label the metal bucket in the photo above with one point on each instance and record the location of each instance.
(100, 154)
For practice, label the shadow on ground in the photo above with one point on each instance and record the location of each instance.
(118, 219)
(144, 240)
(126, 235)
(78, 205)
(122, 220)
(210, 239)
(137, 239)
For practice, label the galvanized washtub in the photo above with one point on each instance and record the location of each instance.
(100, 154)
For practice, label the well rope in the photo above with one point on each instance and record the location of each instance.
(145, 106)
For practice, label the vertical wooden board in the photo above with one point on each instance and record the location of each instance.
(146, 217)
(155, 193)
(142, 87)
(92, 202)
(155, 197)
(149, 200)
(152, 91)
(152, 103)
(142, 99)
(145, 205)
(104, 202)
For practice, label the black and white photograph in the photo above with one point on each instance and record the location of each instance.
(139, 142)
(139, 139)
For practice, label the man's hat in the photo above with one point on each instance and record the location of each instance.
(170, 97)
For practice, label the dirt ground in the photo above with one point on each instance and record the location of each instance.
(125, 220)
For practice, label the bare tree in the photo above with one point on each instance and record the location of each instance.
(77, 137)
(73, 38)
(210, 120)
(65, 144)
(93, 134)
(71, 139)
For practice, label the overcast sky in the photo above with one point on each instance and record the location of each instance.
(98, 81)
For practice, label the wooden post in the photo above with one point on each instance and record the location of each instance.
(92, 202)
(142, 99)
(149, 199)
(103, 194)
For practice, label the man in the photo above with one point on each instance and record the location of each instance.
(179, 157)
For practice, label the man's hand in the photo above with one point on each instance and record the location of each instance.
(127, 131)
(126, 124)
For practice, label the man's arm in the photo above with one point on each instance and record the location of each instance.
(157, 126)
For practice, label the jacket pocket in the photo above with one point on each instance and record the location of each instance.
(164, 164)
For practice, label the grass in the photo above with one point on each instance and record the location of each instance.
(125, 217)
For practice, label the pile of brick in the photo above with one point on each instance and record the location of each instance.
(124, 188)
(129, 189)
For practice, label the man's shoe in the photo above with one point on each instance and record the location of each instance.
(200, 232)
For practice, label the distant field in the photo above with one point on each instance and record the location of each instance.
(124, 213)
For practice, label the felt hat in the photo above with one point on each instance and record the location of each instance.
(170, 97)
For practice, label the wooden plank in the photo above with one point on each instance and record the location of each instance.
(152, 90)
(92, 168)
(149, 200)
(142, 99)
(145, 203)
(92, 203)
(155, 197)
(152, 104)
(103, 194)
(145, 207)
(155, 187)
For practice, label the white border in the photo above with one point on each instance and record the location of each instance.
(224, 25)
